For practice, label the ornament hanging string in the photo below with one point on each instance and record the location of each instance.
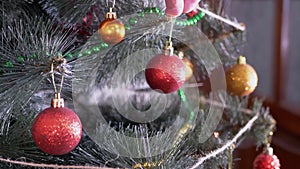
(62, 61)
(113, 5)
(169, 50)
(171, 30)
(230, 160)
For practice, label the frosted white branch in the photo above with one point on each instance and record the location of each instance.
(229, 22)
(52, 165)
(228, 144)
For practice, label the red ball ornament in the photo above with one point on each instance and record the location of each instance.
(165, 73)
(192, 13)
(266, 160)
(57, 131)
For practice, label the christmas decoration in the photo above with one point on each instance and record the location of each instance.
(189, 68)
(85, 28)
(192, 13)
(57, 130)
(165, 73)
(266, 160)
(188, 65)
(241, 78)
(111, 30)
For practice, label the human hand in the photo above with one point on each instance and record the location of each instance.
(177, 7)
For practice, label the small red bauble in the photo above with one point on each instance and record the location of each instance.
(266, 160)
(165, 74)
(57, 131)
(192, 13)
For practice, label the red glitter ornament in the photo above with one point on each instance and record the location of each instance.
(57, 130)
(165, 73)
(266, 160)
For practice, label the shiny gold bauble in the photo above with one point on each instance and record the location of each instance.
(241, 78)
(189, 68)
(111, 31)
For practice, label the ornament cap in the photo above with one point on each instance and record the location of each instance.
(57, 101)
(180, 55)
(241, 60)
(169, 50)
(268, 150)
(111, 14)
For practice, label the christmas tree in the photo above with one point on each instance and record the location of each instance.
(95, 84)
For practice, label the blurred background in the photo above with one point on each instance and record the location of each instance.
(272, 47)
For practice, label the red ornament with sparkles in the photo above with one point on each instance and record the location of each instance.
(57, 130)
(266, 160)
(192, 13)
(165, 73)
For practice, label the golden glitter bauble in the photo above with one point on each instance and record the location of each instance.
(189, 68)
(241, 78)
(111, 31)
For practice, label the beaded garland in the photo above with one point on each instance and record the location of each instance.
(132, 21)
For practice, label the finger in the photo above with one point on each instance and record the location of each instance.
(174, 7)
(189, 5)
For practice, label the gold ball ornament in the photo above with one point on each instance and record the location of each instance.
(189, 68)
(188, 65)
(111, 30)
(241, 78)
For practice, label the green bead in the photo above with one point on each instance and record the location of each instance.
(127, 27)
(201, 14)
(96, 49)
(59, 54)
(197, 17)
(32, 56)
(9, 64)
(156, 10)
(190, 22)
(87, 52)
(103, 45)
(194, 21)
(141, 14)
(132, 21)
(187, 23)
(148, 10)
(79, 55)
(180, 23)
(182, 95)
(21, 59)
(69, 55)
(192, 116)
